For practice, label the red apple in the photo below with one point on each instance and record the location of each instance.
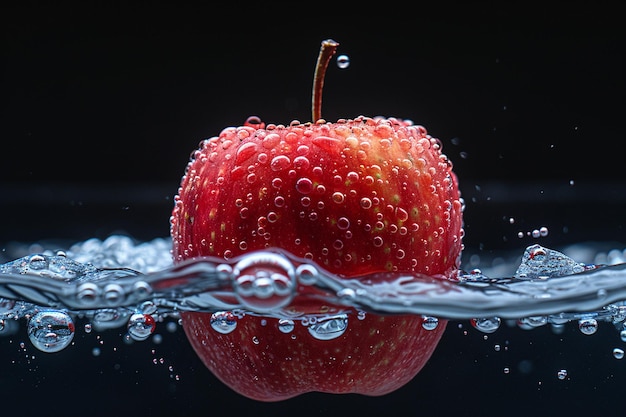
(357, 196)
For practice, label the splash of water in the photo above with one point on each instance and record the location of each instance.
(116, 283)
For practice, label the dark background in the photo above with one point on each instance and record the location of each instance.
(102, 106)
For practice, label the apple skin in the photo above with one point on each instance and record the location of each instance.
(357, 197)
(375, 356)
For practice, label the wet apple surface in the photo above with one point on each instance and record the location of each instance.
(357, 196)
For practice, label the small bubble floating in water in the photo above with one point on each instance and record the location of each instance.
(51, 331)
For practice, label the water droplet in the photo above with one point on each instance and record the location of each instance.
(37, 262)
(338, 197)
(430, 323)
(328, 144)
(141, 326)
(343, 61)
(286, 325)
(618, 353)
(352, 177)
(280, 163)
(588, 326)
(307, 274)
(264, 281)
(377, 241)
(262, 158)
(532, 322)
(270, 141)
(486, 325)
(328, 328)
(366, 203)
(223, 321)
(245, 152)
(254, 122)
(107, 318)
(279, 201)
(343, 223)
(304, 185)
(148, 307)
(562, 374)
(301, 162)
(402, 214)
(277, 182)
(50, 331)
(87, 293)
(305, 201)
(622, 335)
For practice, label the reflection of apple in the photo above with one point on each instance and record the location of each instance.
(355, 196)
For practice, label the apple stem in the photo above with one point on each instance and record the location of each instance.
(327, 50)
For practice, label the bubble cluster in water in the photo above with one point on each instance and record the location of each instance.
(117, 283)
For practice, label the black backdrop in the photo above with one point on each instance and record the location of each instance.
(102, 105)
